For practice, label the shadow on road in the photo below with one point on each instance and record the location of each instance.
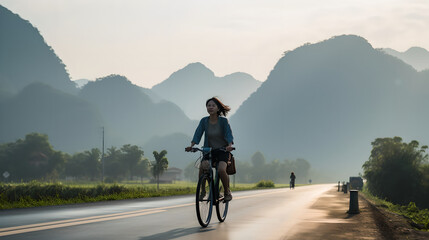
(177, 233)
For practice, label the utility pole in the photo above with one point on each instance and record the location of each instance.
(102, 159)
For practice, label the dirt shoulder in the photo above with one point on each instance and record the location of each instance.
(398, 225)
(328, 219)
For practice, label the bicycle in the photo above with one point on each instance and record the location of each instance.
(209, 191)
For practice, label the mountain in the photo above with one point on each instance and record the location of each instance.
(130, 115)
(37, 95)
(71, 123)
(153, 96)
(191, 86)
(26, 58)
(326, 103)
(415, 56)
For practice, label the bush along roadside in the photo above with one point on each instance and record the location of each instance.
(418, 218)
(265, 184)
(35, 194)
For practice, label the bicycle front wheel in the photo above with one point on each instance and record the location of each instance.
(204, 200)
(221, 205)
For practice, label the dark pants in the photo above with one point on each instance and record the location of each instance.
(218, 155)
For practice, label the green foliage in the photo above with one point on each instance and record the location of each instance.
(125, 163)
(265, 184)
(32, 194)
(84, 165)
(121, 164)
(397, 171)
(31, 158)
(43, 194)
(419, 218)
(160, 165)
(131, 156)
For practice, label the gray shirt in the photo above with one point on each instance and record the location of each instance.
(216, 136)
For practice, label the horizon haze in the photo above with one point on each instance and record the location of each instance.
(146, 41)
(323, 102)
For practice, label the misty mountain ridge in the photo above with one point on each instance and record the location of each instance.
(192, 85)
(415, 56)
(70, 122)
(80, 83)
(26, 58)
(130, 115)
(34, 97)
(326, 102)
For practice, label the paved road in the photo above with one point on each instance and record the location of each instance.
(262, 214)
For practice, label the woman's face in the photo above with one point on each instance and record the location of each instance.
(212, 107)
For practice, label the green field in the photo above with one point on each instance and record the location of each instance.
(34, 194)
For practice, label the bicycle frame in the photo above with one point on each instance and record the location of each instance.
(213, 177)
(214, 198)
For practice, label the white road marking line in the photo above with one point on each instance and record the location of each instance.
(79, 221)
(33, 229)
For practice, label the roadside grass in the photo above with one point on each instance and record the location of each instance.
(418, 218)
(36, 194)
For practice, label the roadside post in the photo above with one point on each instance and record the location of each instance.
(354, 202)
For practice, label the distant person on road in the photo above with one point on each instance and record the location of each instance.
(217, 134)
(292, 180)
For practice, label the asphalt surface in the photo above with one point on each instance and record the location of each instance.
(328, 218)
(262, 214)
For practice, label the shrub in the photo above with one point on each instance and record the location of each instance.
(265, 184)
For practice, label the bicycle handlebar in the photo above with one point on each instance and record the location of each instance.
(207, 149)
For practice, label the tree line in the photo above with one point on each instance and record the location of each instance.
(259, 169)
(398, 171)
(33, 158)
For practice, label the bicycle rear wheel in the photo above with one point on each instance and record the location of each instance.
(221, 205)
(204, 200)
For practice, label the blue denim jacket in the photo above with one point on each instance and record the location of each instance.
(202, 127)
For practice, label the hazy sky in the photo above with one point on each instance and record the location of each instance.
(148, 40)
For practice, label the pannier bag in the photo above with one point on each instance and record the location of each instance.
(230, 168)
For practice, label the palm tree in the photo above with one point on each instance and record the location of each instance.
(160, 165)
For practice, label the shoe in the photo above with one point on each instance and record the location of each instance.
(228, 197)
(202, 195)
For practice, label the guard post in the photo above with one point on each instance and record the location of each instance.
(354, 202)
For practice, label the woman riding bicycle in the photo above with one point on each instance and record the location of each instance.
(217, 135)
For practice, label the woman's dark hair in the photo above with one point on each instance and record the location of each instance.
(223, 109)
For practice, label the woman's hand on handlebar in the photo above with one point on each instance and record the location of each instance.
(189, 149)
(229, 148)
